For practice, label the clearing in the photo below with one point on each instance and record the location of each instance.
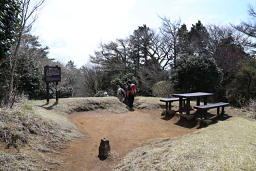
(125, 131)
(66, 136)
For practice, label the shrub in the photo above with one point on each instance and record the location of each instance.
(162, 89)
(234, 97)
(252, 108)
(122, 80)
(196, 73)
(243, 87)
(65, 92)
(99, 94)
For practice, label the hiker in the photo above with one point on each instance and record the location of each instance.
(120, 93)
(130, 93)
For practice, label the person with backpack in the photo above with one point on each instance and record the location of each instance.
(130, 93)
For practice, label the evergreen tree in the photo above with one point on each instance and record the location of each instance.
(9, 11)
(9, 19)
(198, 38)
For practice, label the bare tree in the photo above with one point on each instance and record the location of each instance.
(218, 33)
(27, 17)
(91, 80)
(169, 46)
(249, 29)
(113, 56)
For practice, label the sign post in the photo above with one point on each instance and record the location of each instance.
(57, 95)
(47, 92)
(52, 74)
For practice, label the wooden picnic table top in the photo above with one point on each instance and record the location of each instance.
(190, 95)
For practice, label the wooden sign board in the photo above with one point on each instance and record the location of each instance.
(52, 73)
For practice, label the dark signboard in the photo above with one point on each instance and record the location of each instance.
(52, 73)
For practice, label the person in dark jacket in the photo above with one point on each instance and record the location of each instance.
(130, 93)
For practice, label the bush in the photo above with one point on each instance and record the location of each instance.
(99, 94)
(196, 73)
(235, 98)
(162, 89)
(243, 87)
(65, 92)
(252, 108)
(122, 80)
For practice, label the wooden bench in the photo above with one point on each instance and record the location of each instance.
(168, 102)
(203, 109)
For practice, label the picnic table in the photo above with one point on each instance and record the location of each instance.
(189, 96)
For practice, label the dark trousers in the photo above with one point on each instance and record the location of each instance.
(130, 100)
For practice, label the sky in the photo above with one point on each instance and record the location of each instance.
(73, 30)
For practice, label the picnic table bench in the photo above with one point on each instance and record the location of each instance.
(203, 109)
(168, 102)
(188, 97)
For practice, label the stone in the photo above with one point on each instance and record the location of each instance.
(104, 149)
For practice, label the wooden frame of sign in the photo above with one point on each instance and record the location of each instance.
(52, 74)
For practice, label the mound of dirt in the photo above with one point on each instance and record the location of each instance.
(149, 103)
(69, 105)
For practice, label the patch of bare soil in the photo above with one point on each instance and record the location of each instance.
(125, 131)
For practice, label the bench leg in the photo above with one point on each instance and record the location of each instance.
(183, 104)
(198, 101)
(180, 104)
(202, 113)
(205, 100)
(188, 107)
(218, 110)
(166, 106)
(170, 106)
(222, 110)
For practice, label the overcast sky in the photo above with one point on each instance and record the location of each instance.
(74, 29)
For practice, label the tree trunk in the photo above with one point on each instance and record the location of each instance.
(13, 67)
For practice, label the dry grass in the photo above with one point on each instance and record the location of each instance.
(227, 145)
(148, 102)
(69, 105)
(25, 137)
(251, 108)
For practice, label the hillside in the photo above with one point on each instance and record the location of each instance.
(35, 131)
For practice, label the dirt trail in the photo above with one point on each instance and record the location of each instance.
(125, 132)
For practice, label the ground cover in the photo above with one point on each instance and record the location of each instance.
(45, 132)
(227, 145)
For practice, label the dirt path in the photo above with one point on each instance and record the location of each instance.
(125, 132)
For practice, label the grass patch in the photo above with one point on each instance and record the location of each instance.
(227, 145)
(28, 107)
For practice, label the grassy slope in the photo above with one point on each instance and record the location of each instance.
(227, 145)
(29, 137)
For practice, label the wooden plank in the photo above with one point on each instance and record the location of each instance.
(211, 106)
(190, 95)
(170, 99)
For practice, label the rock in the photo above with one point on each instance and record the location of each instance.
(104, 149)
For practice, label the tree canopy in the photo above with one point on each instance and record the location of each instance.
(197, 58)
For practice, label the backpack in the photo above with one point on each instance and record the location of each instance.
(121, 92)
(133, 89)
